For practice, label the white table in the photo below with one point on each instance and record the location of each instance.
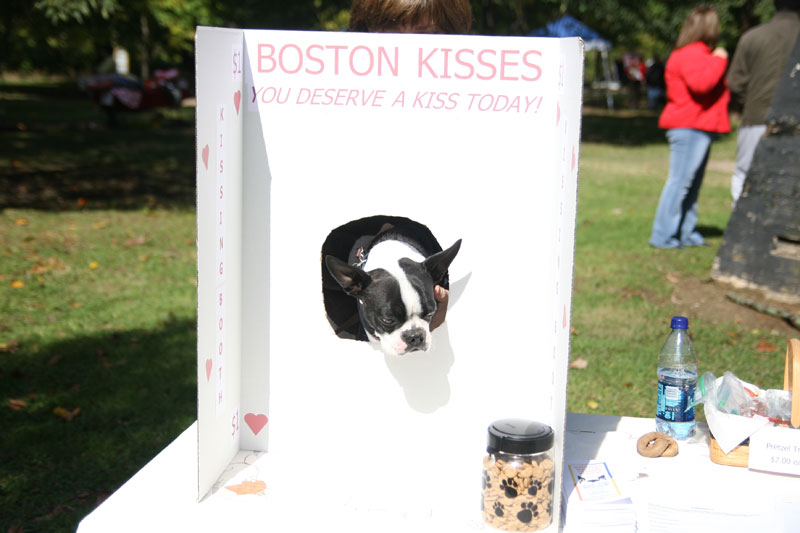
(162, 496)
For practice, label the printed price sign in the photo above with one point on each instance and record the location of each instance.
(775, 449)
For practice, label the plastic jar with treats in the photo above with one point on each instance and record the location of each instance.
(518, 476)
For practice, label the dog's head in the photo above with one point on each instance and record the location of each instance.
(395, 300)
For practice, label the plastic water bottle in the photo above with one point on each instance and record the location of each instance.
(677, 379)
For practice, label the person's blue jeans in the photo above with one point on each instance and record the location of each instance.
(676, 216)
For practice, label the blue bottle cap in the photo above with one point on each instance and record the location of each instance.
(679, 322)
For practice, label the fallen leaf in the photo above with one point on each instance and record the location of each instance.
(17, 284)
(66, 414)
(100, 224)
(102, 356)
(579, 363)
(248, 487)
(573, 330)
(764, 346)
(134, 241)
(75, 305)
(57, 510)
(21, 221)
(93, 265)
(51, 263)
(592, 404)
(672, 277)
(9, 347)
(82, 201)
(17, 404)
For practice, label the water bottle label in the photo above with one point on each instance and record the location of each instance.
(673, 401)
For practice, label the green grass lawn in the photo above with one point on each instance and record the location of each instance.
(621, 297)
(98, 281)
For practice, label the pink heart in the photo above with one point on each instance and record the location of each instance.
(256, 422)
(237, 98)
(205, 156)
(209, 365)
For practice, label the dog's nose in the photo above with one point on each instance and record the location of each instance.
(414, 338)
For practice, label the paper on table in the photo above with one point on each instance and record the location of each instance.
(731, 430)
(590, 481)
(593, 501)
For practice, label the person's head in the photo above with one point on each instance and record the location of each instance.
(411, 16)
(787, 5)
(702, 24)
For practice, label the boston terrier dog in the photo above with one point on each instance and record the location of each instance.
(392, 279)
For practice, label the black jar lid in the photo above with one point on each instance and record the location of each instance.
(514, 435)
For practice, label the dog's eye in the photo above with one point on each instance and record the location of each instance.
(386, 321)
(428, 317)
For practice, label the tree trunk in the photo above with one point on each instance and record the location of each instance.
(144, 47)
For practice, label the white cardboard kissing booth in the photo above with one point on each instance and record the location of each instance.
(299, 133)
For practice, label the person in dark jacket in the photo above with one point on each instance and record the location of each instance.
(757, 65)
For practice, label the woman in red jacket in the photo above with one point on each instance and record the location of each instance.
(695, 114)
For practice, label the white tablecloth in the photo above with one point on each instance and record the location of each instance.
(672, 494)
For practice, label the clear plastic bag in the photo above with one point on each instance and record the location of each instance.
(779, 405)
(732, 397)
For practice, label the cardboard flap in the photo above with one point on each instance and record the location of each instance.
(791, 378)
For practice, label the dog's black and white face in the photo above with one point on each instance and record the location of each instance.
(394, 290)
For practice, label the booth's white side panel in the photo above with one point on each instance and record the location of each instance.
(401, 439)
(256, 262)
(219, 80)
(570, 88)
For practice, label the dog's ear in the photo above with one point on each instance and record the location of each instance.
(352, 279)
(438, 263)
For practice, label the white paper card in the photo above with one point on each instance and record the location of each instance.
(591, 481)
(775, 449)
(731, 430)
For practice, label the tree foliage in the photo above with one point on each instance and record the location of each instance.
(73, 36)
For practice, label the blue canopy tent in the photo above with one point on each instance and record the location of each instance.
(568, 26)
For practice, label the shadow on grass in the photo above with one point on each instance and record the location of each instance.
(136, 391)
(624, 127)
(61, 155)
(710, 231)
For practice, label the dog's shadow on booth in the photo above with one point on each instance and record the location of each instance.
(424, 376)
